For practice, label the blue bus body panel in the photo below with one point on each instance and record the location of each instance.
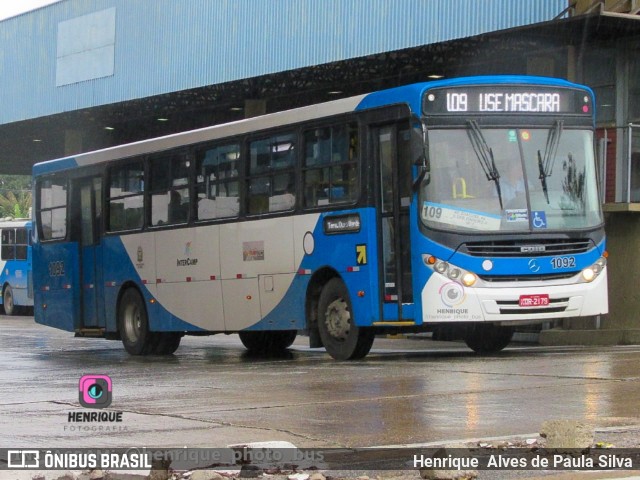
(57, 299)
(118, 270)
(54, 166)
(339, 252)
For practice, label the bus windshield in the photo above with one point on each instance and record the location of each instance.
(510, 179)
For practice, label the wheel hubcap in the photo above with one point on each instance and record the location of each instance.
(133, 322)
(338, 319)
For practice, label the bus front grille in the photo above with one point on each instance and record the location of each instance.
(527, 278)
(526, 248)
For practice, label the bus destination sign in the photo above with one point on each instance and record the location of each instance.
(507, 99)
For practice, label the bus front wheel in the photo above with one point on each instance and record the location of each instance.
(267, 342)
(167, 343)
(7, 299)
(134, 325)
(342, 339)
(487, 338)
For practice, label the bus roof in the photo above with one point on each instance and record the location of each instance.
(408, 94)
(17, 222)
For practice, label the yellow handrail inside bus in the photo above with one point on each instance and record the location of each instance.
(459, 182)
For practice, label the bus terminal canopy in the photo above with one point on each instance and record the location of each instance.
(180, 74)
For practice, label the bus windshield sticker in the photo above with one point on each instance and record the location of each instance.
(252, 251)
(539, 219)
(342, 224)
(517, 215)
(471, 219)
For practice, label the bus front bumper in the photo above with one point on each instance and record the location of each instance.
(446, 301)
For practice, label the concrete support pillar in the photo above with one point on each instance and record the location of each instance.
(623, 244)
(621, 326)
(253, 108)
(572, 64)
(72, 142)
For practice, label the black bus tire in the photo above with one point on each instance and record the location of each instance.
(133, 324)
(166, 343)
(7, 300)
(486, 338)
(342, 339)
(267, 342)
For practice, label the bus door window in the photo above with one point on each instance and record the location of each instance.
(169, 186)
(89, 200)
(407, 153)
(396, 153)
(387, 191)
(330, 165)
(271, 186)
(90, 211)
(217, 184)
(126, 201)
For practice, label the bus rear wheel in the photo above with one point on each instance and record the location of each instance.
(7, 300)
(487, 338)
(133, 324)
(267, 342)
(342, 339)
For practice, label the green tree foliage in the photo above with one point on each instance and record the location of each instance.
(15, 196)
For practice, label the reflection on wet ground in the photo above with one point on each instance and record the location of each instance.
(213, 393)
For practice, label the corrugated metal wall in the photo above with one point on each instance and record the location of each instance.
(163, 46)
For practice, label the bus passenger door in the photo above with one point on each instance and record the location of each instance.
(393, 159)
(89, 191)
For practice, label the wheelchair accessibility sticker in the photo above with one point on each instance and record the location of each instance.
(539, 219)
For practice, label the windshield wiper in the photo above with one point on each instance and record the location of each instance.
(545, 164)
(484, 153)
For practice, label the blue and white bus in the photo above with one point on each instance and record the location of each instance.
(469, 204)
(15, 263)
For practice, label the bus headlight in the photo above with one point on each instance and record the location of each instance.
(457, 274)
(469, 279)
(588, 274)
(441, 266)
(454, 273)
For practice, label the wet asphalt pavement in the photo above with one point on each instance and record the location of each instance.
(211, 393)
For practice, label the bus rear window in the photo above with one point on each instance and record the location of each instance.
(52, 212)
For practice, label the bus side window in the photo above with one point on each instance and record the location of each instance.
(330, 165)
(8, 251)
(169, 186)
(271, 185)
(126, 200)
(217, 184)
(22, 241)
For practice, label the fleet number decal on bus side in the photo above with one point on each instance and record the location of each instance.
(56, 269)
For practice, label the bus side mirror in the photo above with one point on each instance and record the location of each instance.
(423, 173)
